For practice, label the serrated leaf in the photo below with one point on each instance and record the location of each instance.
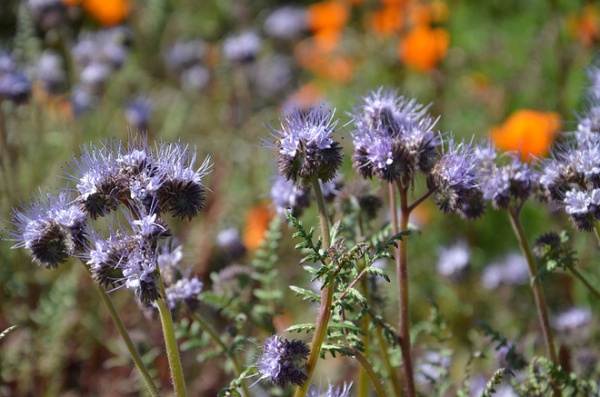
(306, 294)
(307, 327)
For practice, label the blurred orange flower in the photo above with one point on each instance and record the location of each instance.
(387, 20)
(327, 15)
(423, 47)
(311, 56)
(257, 223)
(107, 12)
(586, 28)
(529, 131)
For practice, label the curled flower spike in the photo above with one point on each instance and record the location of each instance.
(163, 178)
(52, 228)
(305, 147)
(393, 137)
(282, 362)
(182, 192)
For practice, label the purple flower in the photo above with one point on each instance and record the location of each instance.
(165, 178)
(305, 147)
(286, 195)
(52, 228)
(286, 23)
(185, 290)
(503, 179)
(282, 362)
(393, 137)
(453, 177)
(182, 192)
(242, 48)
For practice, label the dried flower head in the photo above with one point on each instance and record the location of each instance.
(282, 362)
(305, 147)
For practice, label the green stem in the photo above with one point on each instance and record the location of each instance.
(362, 390)
(326, 297)
(207, 327)
(166, 321)
(538, 292)
(398, 391)
(402, 271)
(369, 370)
(580, 276)
(128, 343)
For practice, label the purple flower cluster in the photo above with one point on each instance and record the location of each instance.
(14, 86)
(305, 147)
(571, 177)
(282, 362)
(164, 177)
(142, 182)
(503, 179)
(393, 137)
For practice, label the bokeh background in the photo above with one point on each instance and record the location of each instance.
(214, 74)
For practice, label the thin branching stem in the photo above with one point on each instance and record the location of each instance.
(369, 370)
(582, 278)
(137, 360)
(208, 328)
(538, 292)
(326, 296)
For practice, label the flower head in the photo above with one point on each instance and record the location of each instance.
(454, 178)
(282, 362)
(242, 48)
(393, 137)
(286, 195)
(306, 148)
(52, 228)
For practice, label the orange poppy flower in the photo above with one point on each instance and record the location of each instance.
(107, 12)
(387, 20)
(422, 48)
(327, 15)
(324, 63)
(528, 131)
(306, 97)
(257, 223)
(586, 28)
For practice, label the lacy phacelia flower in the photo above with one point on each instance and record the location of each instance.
(503, 179)
(454, 178)
(164, 177)
(453, 260)
(242, 48)
(393, 137)
(14, 86)
(286, 195)
(51, 228)
(282, 362)
(182, 192)
(185, 290)
(571, 177)
(305, 147)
